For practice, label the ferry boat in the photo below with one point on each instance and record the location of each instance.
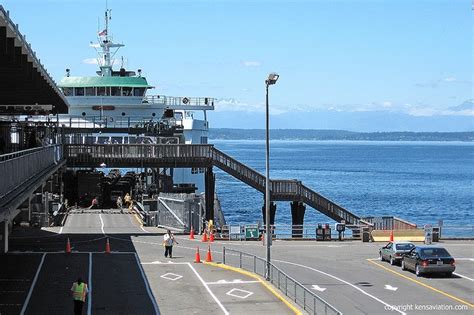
(115, 100)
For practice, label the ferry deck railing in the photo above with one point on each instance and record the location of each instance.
(294, 290)
(176, 102)
(19, 167)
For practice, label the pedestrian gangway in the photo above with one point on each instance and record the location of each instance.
(205, 156)
(23, 172)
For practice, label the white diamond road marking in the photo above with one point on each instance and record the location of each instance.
(171, 276)
(245, 294)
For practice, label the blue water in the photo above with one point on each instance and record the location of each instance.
(421, 182)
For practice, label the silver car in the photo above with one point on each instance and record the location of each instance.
(393, 251)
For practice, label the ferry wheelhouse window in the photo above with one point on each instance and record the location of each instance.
(126, 91)
(138, 91)
(115, 91)
(79, 91)
(68, 91)
(103, 91)
(90, 91)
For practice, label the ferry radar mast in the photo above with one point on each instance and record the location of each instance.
(106, 48)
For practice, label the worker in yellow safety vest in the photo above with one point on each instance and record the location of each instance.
(79, 291)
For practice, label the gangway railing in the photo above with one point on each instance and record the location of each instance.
(202, 155)
(19, 167)
(301, 295)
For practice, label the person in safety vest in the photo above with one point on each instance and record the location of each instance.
(79, 292)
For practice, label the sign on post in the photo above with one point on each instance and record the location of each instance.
(234, 230)
(251, 232)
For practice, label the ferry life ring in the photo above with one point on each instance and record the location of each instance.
(185, 100)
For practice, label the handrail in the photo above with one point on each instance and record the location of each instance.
(24, 165)
(308, 301)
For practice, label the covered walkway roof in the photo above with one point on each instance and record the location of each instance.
(25, 85)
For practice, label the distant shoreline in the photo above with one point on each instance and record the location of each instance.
(321, 135)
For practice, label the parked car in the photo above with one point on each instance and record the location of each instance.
(429, 259)
(393, 251)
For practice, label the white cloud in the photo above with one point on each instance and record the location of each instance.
(449, 79)
(418, 110)
(90, 61)
(251, 63)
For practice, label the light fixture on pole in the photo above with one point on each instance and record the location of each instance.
(272, 79)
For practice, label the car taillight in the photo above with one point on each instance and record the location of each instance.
(453, 262)
(424, 263)
(398, 254)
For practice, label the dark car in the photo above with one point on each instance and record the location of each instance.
(429, 259)
(394, 251)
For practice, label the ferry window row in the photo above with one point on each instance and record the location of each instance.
(103, 91)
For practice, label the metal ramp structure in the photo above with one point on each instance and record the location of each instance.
(205, 156)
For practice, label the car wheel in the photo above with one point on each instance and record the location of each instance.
(403, 265)
(392, 261)
(381, 256)
(417, 271)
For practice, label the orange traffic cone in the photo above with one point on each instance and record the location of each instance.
(211, 238)
(68, 246)
(209, 255)
(107, 247)
(198, 257)
(391, 236)
(191, 234)
(204, 237)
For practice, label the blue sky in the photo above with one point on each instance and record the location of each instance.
(412, 58)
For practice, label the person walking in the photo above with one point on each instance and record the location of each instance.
(79, 292)
(168, 242)
(119, 202)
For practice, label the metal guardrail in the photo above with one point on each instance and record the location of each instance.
(294, 290)
(19, 167)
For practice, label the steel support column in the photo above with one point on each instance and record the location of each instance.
(210, 185)
(297, 215)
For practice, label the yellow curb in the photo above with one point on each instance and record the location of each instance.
(424, 285)
(266, 285)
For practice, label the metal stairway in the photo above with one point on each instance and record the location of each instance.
(284, 190)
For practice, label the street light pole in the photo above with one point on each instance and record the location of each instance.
(272, 78)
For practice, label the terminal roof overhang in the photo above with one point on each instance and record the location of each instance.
(25, 85)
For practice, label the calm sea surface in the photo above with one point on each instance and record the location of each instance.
(421, 182)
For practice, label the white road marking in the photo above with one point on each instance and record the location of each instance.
(171, 276)
(348, 283)
(89, 298)
(318, 288)
(244, 296)
(470, 259)
(460, 275)
(208, 289)
(389, 287)
(61, 230)
(28, 297)
(150, 293)
(102, 224)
